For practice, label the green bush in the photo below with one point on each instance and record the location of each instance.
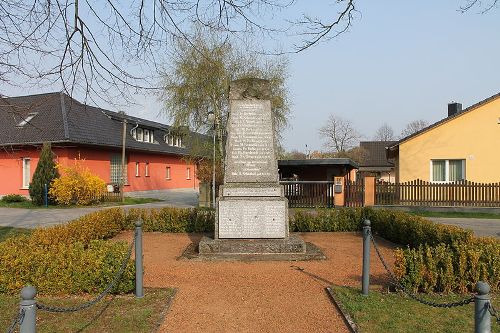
(171, 219)
(45, 173)
(13, 198)
(102, 224)
(63, 268)
(410, 230)
(449, 268)
(339, 219)
(70, 258)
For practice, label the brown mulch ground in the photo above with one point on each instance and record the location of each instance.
(229, 296)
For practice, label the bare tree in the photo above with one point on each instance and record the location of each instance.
(110, 49)
(384, 133)
(413, 127)
(340, 134)
(483, 6)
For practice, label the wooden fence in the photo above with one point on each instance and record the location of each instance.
(422, 193)
(354, 193)
(309, 193)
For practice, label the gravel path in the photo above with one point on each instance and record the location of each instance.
(255, 296)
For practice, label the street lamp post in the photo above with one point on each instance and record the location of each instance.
(211, 118)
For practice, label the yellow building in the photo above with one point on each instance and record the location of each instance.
(463, 146)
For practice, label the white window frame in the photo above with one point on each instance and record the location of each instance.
(137, 169)
(188, 173)
(146, 169)
(146, 135)
(446, 170)
(26, 172)
(167, 173)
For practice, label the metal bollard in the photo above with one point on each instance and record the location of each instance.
(46, 195)
(28, 305)
(139, 289)
(482, 316)
(366, 258)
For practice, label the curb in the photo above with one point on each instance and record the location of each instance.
(164, 312)
(353, 328)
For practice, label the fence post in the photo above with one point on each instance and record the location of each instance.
(28, 305)
(369, 195)
(366, 257)
(482, 317)
(139, 290)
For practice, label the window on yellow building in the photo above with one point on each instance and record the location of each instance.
(444, 171)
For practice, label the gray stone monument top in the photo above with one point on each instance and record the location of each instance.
(252, 211)
(250, 151)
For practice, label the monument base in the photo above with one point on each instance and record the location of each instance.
(286, 249)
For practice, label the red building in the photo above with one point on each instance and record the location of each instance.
(154, 151)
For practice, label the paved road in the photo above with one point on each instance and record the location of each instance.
(481, 227)
(32, 218)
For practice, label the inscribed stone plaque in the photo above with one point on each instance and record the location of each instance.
(252, 218)
(252, 191)
(250, 154)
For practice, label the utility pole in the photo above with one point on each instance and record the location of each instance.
(124, 136)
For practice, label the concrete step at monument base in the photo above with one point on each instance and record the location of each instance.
(290, 248)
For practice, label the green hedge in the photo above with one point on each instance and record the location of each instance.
(396, 226)
(449, 268)
(70, 258)
(170, 219)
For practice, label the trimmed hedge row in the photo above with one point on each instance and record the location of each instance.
(437, 258)
(171, 219)
(69, 258)
(396, 226)
(75, 257)
(449, 268)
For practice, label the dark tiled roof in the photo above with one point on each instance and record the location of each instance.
(319, 161)
(61, 118)
(444, 120)
(374, 153)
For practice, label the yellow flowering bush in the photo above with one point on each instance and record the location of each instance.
(77, 186)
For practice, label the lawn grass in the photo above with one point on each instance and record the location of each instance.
(392, 312)
(6, 232)
(113, 314)
(478, 215)
(128, 201)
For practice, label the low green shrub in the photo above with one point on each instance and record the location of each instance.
(102, 224)
(69, 258)
(14, 198)
(339, 219)
(63, 268)
(171, 219)
(410, 230)
(449, 268)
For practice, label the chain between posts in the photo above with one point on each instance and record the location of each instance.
(494, 312)
(19, 318)
(412, 295)
(85, 305)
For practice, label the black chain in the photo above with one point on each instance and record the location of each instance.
(409, 293)
(18, 320)
(85, 305)
(494, 312)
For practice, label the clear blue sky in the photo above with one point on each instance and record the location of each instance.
(400, 61)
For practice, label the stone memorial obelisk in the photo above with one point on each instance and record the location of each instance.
(252, 211)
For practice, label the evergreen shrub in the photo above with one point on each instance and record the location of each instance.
(9, 198)
(45, 173)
